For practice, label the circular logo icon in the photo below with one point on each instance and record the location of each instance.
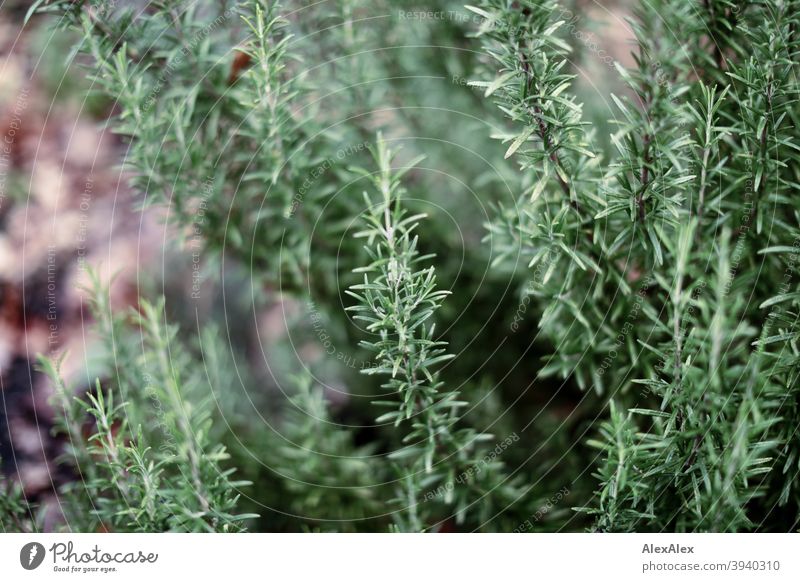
(31, 555)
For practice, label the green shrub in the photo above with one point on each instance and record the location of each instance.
(612, 347)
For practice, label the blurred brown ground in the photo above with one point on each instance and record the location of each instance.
(63, 204)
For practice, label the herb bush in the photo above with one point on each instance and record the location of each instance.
(536, 299)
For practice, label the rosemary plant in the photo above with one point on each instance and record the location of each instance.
(397, 302)
(667, 327)
(148, 462)
(643, 373)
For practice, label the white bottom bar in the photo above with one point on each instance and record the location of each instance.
(406, 558)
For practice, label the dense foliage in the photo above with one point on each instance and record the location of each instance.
(578, 325)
